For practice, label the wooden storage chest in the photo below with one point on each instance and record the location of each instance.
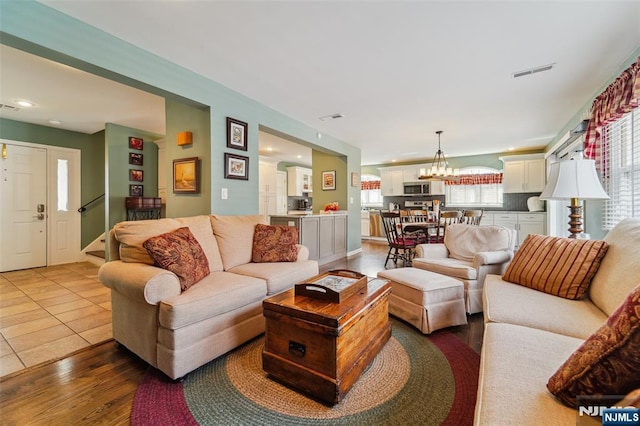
(322, 348)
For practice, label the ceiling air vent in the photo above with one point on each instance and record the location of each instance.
(331, 117)
(531, 71)
(7, 107)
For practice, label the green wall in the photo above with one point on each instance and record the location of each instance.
(181, 117)
(92, 166)
(323, 162)
(117, 171)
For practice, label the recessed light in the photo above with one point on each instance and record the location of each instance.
(26, 104)
(299, 156)
(511, 148)
(52, 121)
(269, 148)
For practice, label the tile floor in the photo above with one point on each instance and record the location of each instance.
(47, 313)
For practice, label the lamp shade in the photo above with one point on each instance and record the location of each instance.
(573, 179)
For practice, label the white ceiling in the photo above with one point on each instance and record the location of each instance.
(398, 71)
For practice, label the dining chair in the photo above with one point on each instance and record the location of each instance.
(445, 218)
(401, 246)
(472, 217)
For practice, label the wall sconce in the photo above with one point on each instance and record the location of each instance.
(185, 138)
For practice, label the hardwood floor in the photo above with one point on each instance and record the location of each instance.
(97, 385)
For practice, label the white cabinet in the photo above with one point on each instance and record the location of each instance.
(523, 173)
(411, 174)
(436, 187)
(530, 224)
(298, 181)
(267, 192)
(523, 223)
(391, 182)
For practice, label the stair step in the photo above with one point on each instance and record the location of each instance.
(98, 253)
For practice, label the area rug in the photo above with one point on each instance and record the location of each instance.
(416, 379)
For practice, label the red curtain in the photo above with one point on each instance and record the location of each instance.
(622, 96)
(369, 184)
(479, 179)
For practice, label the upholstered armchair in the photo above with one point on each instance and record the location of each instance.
(468, 254)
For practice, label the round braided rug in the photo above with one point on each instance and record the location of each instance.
(415, 379)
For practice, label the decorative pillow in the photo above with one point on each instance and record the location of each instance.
(179, 252)
(608, 362)
(559, 266)
(275, 243)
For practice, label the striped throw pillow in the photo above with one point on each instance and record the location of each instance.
(560, 266)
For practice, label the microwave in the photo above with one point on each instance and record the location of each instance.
(418, 188)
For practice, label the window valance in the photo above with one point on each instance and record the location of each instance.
(622, 96)
(477, 179)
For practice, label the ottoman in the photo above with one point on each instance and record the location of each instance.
(427, 300)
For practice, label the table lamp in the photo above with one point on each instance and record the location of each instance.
(574, 179)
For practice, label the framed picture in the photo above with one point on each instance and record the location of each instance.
(186, 175)
(135, 191)
(136, 175)
(329, 180)
(135, 143)
(236, 166)
(236, 134)
(135, 159)
(354, 179)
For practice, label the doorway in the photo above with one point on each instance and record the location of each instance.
(39, 195)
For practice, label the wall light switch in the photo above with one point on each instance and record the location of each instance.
(224, 193)
(351, 200)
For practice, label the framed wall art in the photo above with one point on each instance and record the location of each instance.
(329, 180)
(136, 175)
(136, 191)
(135, 143)
(186, 175)
(354, 179)
(236, 166)
(236, 134)
(135, 159)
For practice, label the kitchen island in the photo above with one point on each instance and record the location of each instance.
(325, 235)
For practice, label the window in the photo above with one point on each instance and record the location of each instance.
(478, 187)
(370, 194)
(620, 168)
(63, 185)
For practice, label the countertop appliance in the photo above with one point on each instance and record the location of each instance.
(304, 204)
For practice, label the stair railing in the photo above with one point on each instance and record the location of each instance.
(84, 207)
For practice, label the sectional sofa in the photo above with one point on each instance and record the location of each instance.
(178, 330)
(529, 334)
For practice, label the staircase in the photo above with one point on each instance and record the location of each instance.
(95, 252)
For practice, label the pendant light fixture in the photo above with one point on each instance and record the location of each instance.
(439, 169)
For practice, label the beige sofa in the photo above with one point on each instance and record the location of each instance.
(468, 254)
(176, 331)
(529, 334)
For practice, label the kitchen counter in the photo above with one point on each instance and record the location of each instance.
(325, 235)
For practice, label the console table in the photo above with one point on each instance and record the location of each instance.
(141, 208)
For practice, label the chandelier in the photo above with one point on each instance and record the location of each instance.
(439, 169)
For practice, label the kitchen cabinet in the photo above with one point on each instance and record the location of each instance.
(523, 173)
(411, 173)
(436, 187)
(298, 181)
(324, 235)
(267, 191)
(523, 223)
(391, 182)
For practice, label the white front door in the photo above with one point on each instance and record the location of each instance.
(23, 216)
(64, 200)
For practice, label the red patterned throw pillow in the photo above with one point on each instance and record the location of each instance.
(608, 362)
(563, 267)
(275, 243)
(179, 252)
